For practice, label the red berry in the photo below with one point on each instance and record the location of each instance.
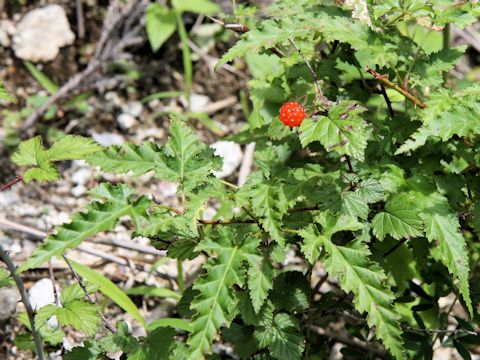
(292, 114)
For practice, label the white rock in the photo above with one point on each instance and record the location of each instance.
(133, 108)
(126, 121)
(198, 102)
(41, 33)
(7, 28)
(82, 176)
(232, 155)
(9, 298)
(41, 293)
(78, 190)
(108, 138)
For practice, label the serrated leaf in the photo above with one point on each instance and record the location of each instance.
(30, 152)
(400, 220)
(90, 351)
(119, 341)
(137, 159)
(354, 205)
(343, 130)
(298, 289)
(45, 172)
(72, 147)
(260, 281)
(313, 239)
(371, 190)
(98, 217)
(108, 288)
(156, 346)
(282, 336)
(458, 115)
(81, 315)
(358, 274)
(215, 305)
(445, 228)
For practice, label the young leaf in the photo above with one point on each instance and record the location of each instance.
(137, 159)
(81, 315)
(400, 220)
(98, 217)
(72, 147)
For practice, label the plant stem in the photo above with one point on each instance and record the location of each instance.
(187, 60)
(26, 301)
(322, 97)
(180, 281)
(383, 79)
(229, 184)
(387, 100)
(446, 46)
(106, 323)
(11, 183)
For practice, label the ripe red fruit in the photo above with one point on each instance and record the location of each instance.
(292, 114)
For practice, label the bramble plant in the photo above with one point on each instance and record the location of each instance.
(378, 186)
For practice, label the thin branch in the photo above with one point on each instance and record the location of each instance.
(11, 183)
(395, 247)
(323, 99)
(383, 79)
(387, 100)
(26, 301)
(106, 323)
(362, 346)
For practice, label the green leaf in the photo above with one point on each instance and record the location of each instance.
(400, 220)
(358, 274)
(298, 289)
(343, 130)
(42, 79)
(445, 228)
(90, 351)
(109, 289)
(172, 322)
(119, 341)
(72, 147)
(260, 281)
(156, 346)
(205, 7)
(313, 239)
(354, 205)
(215, 305)
(98, 217)
(457, 115)
(371, 191)
(81, 315)
(161, 23)
(282, 336)
(153, 291)
(30, 152)
(45, 172)
(137, 159)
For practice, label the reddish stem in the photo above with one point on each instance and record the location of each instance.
(11, 183)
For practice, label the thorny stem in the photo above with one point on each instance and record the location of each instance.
(11, 183)
(387, 100)
(106, 323)
(323, 99)
(26, 301)
(383, 79)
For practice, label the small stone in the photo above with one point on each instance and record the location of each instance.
(41, 294)
(108, 138)
(9, 297)
(78, 190)
(232, 155)
(126, 121)
(41, 33)
(7, 28)
(133, 108)
(82, 176)
(198, 102)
